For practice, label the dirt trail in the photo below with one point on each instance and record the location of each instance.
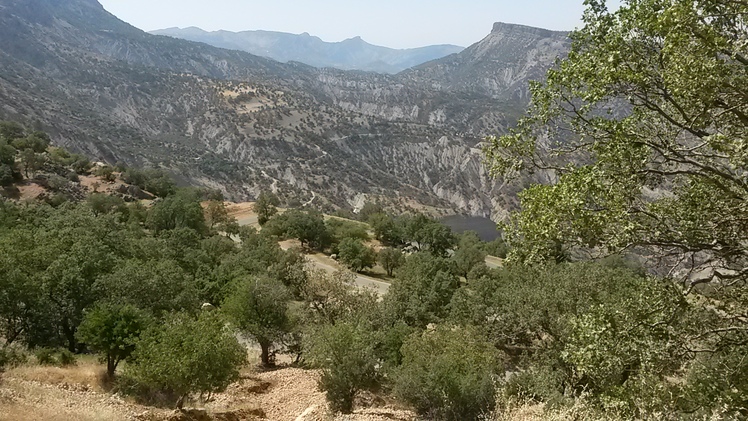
(245, 215)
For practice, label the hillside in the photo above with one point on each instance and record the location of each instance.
(350, 54)
(230, 120)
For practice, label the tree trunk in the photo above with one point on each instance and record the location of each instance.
(110, 367)
(180, 401)
(70, 337)
(265, 355)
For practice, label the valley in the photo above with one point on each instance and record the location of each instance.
(229, 120)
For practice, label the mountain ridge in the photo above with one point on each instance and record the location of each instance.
(350, 54)
(242, 123)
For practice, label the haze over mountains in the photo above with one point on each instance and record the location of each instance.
(350, 54)
(243, 123)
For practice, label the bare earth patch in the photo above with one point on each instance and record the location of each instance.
(35, 393)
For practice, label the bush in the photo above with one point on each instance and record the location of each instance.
(356, 255)
(11, 357)
(112, 330)
(448, 374)
(345, 352)
(65, 358)
(45, 356)
(186, 355)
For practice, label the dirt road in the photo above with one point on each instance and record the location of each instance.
(246, 216)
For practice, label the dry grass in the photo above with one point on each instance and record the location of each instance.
(87, 374)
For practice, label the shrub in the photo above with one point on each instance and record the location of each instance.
(12, 357)
(45, 356)
(186, 355)
(345, 352)
(112, 330)
(448, 374)
(65, 358)
(356, 255)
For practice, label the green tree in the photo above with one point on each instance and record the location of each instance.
(259, 307)
(355, 255)
(104, 203)
(266, 207)
(309, 227)
(10, 131)
(390, 259)
(469, 253)
(648, 99)
(448, 374)
(181, 210)
(185, 355)
(423, 290)
(346, 354)
(112, 330)
(32, 161)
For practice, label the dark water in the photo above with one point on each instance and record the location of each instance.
(485, 227)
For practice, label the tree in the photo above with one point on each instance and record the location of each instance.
(31, 160)
(448, 374)
(355, 255)
(187, 355)
(423, 290)
(258, 307)
(181, 210)
(104, 203)
(647, 101)
(266, 207)
(217, 217)
(469, 253)
(309, 227)
(112, 330)
(390, 259)
(346, 354)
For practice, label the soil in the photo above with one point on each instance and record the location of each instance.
(74, 393)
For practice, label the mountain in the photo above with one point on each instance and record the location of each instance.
(242, 123)
(351, 54)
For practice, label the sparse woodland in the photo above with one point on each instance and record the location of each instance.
(622, 296)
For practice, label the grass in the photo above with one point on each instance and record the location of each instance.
(37, 392)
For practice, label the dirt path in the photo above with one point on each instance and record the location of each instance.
(245, 215)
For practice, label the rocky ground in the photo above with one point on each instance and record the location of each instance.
(32, 393)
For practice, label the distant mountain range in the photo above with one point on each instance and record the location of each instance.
(351, 54)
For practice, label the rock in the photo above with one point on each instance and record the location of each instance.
(207, 307)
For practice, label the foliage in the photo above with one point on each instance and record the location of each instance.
(448, 374)
(266, 207)
(112, 330)
(104, 203)
(11, 357)
(355, 255)
(331, 298)
(259, 307)
(423, 290)
(155, 181)
(340, 229)
(181, 210)
(649, 95)
(469, 254)
(187, 355)
(390, 259)
(345, 352)
(308, 227)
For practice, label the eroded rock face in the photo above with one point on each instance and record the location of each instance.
(241, 123)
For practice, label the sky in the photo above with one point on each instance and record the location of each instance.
(391, 23)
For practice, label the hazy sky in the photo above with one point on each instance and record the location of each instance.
(392, 23)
